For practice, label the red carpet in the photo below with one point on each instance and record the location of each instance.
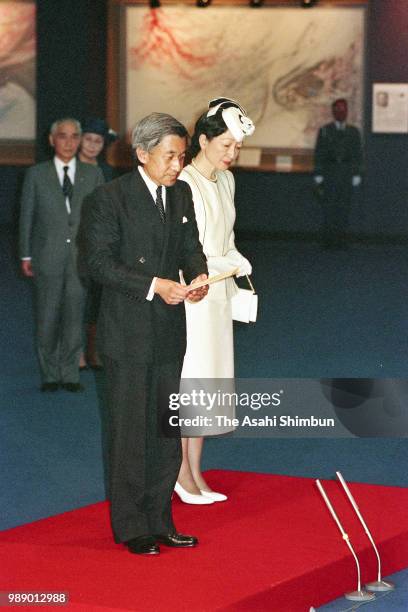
(273, 546)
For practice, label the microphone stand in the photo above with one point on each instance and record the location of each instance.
(360, 594)
(379, 584)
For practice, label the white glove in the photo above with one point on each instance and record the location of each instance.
(318, 179)
(239, 261)
(219, 265)
(245, 268)
(356, 180)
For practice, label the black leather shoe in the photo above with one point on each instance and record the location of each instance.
(177, 540)
(73, 387)
(143, 545)
(50, 386)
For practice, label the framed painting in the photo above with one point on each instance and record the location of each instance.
(17, 81)
(284, 65)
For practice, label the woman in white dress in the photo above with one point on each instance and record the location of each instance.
(215, 145)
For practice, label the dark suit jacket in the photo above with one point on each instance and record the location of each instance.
(338, 153)
(125, 244)
(47, 231)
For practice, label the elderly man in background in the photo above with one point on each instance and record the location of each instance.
(52, 197)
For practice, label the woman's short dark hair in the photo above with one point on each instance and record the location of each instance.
(209, 126)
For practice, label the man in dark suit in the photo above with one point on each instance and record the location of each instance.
(137, 233)
(51, 203)
(338, 168)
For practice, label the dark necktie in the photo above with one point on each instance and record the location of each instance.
(159, 203)
(67, 186)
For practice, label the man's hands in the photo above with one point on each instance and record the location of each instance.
(174, 293)
(26, 267)
(170, 292)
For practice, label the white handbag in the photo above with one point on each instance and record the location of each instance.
(244, 304)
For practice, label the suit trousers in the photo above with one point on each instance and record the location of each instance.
(59, 304)
(143, 462)
(336, 207)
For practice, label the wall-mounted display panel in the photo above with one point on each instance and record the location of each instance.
(284, 65)
(390, 108)
(17, 81)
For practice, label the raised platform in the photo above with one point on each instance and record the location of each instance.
(272, 546)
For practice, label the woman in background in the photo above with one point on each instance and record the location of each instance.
(215, 145)
(96, 135)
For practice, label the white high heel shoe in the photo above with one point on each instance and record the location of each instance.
(190, 498)
(217, 497)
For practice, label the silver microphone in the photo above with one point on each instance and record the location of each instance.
(379, 584)
(359, 594)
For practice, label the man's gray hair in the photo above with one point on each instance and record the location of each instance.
(151, 130)
(54, 127)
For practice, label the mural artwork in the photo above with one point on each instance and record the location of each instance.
(17, 70)
(285, 66)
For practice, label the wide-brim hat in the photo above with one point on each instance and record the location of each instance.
(94, 125)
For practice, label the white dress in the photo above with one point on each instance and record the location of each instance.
(210, 348)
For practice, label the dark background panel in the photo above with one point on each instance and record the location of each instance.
(71, 68)
(386, 184)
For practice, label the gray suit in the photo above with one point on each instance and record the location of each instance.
(48, 236)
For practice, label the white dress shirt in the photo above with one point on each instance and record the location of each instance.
(59, 166)
(152, 187)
